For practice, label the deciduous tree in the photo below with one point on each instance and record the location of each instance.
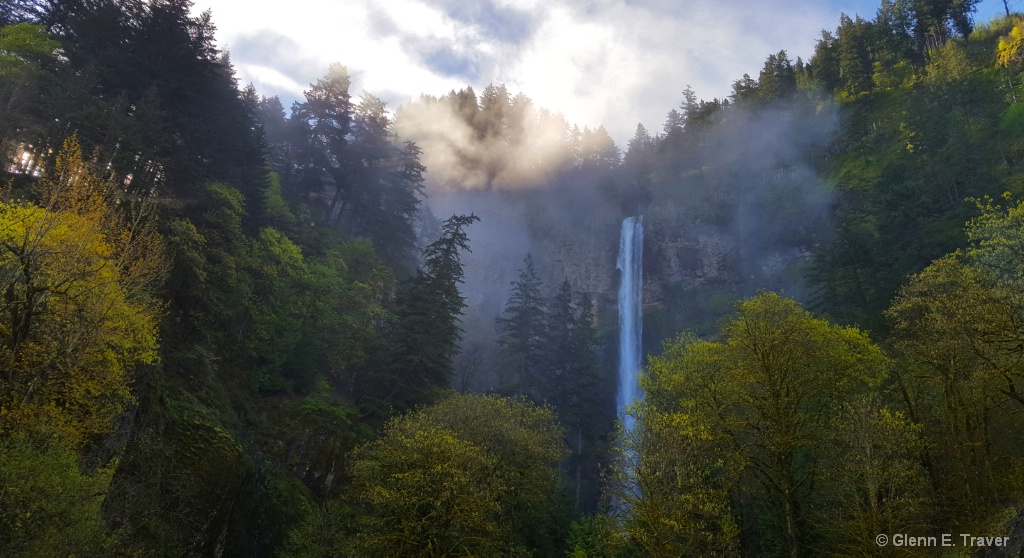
(75, 320)
(469, 475)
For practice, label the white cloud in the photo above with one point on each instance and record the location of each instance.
(615, 64)
(419, 19)
(265, 78)
(607, 62)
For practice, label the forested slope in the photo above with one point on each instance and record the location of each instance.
(192, 343)
(228, 328)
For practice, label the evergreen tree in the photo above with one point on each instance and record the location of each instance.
(934, 21)
(144, 83)
(401, 204)
(689, 106)
(24, 48)
(576, 146)
(492, 126)
(386, 182)
(599, 152)
(893, 34)
(466, 104)
(777, 79)
(854, 55)
(824, 65)
(572, 359)
(323, 124)
(493, 119)
(640, 149)
(429, 310)
(673, 121)
(561, 325)
(743, 89)
(522, 342)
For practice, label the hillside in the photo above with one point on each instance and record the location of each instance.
(232, 328)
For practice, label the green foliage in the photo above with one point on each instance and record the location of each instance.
(1012, 120)
(273, 344)
(332, 149)
(253, 318)
(181, 474)
(74, 323)
(23, 50)
(277, 311)
(899, 76)
(548, 353)
(597, 536)
(957, 325)
(21, 46)
(430, 494)
(996, 241)
(672, 481)
(349, 294)
(575, 384)
(324, 533)
(738, 421)
(777, 79)
(1010, 52)
(24, 40)
(947, 64)
(527, 442)
(912, 155)
(875, 481)
(284, 343)
(523, 340)
(429, 310)
(853, 38)
(275, 208)
(48, 507)
(469, 475)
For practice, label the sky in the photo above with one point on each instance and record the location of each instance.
(598, 62)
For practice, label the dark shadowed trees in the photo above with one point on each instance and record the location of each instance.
(429, 310)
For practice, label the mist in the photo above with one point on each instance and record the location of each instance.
(733, 204)
(504, 143)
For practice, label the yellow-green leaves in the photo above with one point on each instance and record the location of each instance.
(959, 334)
(740, 419)
(778, 349)
(22, 42)
(72, 326)
(673, 481)
(947, 64)
(48, 507)
(431, 494)
(875, 482)
(470, 476)
(22, 46)
(1010, 52)
(951, 321)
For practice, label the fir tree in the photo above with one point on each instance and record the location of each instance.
(523, 329)
(572, 360)
(429, 312)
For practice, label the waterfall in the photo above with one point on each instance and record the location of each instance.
(631, 251)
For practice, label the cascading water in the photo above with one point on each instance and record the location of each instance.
(630, 263)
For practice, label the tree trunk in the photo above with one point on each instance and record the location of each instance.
(579, 463)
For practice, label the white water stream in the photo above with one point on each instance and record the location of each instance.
(630, 263)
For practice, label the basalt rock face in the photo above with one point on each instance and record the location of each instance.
(588, 262)
(681, 251)
(695, 249)
(712, 236)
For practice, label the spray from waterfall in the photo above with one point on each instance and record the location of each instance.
(630, 263)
